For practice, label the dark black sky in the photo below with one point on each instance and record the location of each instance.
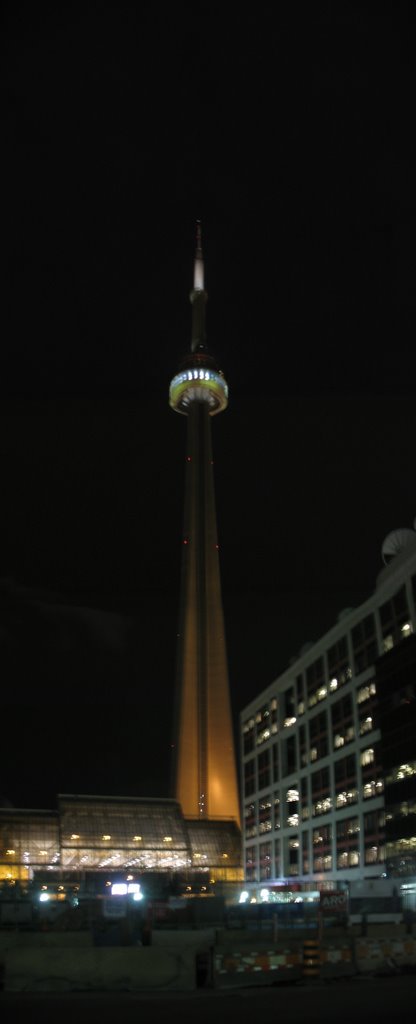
(291, 137)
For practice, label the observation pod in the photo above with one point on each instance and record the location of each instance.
(199, 381)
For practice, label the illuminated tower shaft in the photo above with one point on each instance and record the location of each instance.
(205, 769)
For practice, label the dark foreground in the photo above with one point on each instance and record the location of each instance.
(357, 1000)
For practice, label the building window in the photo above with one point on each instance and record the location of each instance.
(339, 669)
(289, 756)
(304, 796)
(276, 811)
(263, 768)
(250, 821)
(248, 736)
(374, 837)
(397, 812)
(249, 777)
(293, 856)
(342, 722)
(367, 756)
(277, 860)
(348, 855)
(321, 794)
(289, 707)
(292, 807)
(373, 788)
(371, 771)
(275, 754)
(318, 736)
(348, 859)
(401, 856)
(265, 858)
(366, 724)
(315, 682)
(274, 712)
(364, 642)
(367, 708)
(303, 746)
(322, 848)
(305, 853)
(300, 696)
(251, 864)
(402, 771)
(265, 814)
(345, 772)
(263, 725)
(366, 692)
(394, 615)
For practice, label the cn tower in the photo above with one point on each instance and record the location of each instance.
(204, 763)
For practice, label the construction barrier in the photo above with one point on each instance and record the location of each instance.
(375, 955)
(337, 961)
(311, 958)
(247, 968)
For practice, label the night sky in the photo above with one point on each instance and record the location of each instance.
(291, 136)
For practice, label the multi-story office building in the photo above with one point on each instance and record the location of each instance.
(328, 750)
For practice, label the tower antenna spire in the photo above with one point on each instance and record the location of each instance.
(199, 261)
(198, 296)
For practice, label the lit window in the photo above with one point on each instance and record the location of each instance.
(323, 806)
(371, 855)
(75, 835)
(10, 852)
(388, 643)
(137, 839)
(106, 838)
(366, 725)
(367, 756)
(407, 628)
(167, 839)
(345, 798)
(292, 795)
(402, 772)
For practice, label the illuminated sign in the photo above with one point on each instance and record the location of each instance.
(334, 902)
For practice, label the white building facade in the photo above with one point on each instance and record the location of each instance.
(312, 778)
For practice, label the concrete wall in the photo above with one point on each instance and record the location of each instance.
(112, 969)
(183, 961)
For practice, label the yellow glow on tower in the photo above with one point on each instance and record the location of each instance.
(205, 769)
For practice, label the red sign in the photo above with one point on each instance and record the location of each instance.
(334, 902)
